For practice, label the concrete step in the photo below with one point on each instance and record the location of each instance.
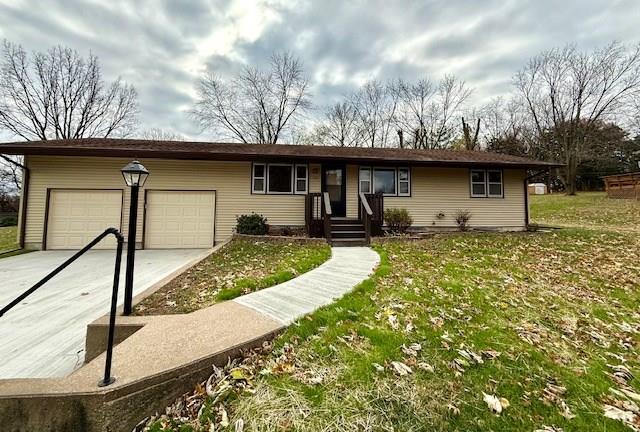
(350, 227)
(349, 242)
(347, 234)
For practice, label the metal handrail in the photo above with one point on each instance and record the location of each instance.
(114, 295)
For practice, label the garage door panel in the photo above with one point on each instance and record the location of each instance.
(179, 219)
(76, 217)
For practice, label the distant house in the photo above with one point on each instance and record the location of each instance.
(195, 191)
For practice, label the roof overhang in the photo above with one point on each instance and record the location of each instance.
(244, 152)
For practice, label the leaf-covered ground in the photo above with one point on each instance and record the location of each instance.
(240, 267)
(8, 238)
(587, 209)
(458, 332)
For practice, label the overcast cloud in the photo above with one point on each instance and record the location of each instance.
(162, 47)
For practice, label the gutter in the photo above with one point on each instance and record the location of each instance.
(526, 194)
(23, 198)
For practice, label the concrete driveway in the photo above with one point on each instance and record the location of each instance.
(44, 336)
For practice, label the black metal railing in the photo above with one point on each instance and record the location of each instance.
(108, 379)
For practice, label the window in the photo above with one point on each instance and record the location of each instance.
(301, 179)
(365, 180)
(384, 180)
(389, 181)
(280, 178)
(494, 180)
(404, 181)
(486, 183)
(478, 186)
(259, 176)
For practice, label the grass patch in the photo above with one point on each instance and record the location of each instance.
(241, 267)
(586, 209)
(548, 314)
(8, 238)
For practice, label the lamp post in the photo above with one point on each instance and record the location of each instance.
(135, 174)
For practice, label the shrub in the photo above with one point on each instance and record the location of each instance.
(398, 220)
(8, 221)
(253, 224)
(462, 219)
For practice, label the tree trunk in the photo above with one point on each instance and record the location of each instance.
(571, 170)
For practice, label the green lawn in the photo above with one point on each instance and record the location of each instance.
(544, 325)
(587, 209)
(8, 238)
(240, 267)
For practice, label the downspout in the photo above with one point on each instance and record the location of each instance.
(23, 198)
(526, 195)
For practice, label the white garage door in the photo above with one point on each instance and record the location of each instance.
(77, 216)
(179, 219)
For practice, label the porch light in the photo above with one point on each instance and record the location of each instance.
(135, 174)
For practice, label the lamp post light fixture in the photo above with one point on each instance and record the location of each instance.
(135, 174)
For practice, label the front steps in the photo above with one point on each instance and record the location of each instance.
(347, 232)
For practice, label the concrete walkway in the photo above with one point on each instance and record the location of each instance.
(347, 267)
(44, 336)
(168, 354)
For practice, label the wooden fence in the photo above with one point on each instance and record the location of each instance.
(625, 186)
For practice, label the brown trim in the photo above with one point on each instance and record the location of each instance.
(266, 152)
(144, 219)
(24, 202)
(48, 203)
(46, 219)
(215, 209)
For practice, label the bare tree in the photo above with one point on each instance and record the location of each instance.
(256, 106)
(470, 136)
(158, 134)
(566, 92)
(339, 127)
(60, 95)
(427, 111)
(375, 106)
(10, 174)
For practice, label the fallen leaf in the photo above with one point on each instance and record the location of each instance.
(494, 403)
(401, 368)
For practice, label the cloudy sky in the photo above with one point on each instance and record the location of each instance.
(163, 46)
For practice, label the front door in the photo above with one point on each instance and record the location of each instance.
(334, 181)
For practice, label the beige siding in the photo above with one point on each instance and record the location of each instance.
(230, 180)
(446, 190)
(352, 191)
(434, 190)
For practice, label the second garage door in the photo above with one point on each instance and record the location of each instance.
(179, 219)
